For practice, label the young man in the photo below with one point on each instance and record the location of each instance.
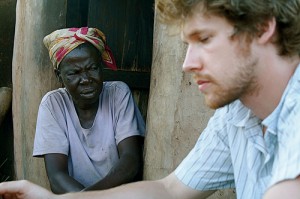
(244, 56)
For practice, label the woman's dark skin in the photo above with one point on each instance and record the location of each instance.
(81, 73)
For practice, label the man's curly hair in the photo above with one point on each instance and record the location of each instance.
(247, 16)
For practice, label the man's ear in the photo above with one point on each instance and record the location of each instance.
(58, 75)
(268, 31)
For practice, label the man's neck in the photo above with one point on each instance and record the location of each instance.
(272, 80)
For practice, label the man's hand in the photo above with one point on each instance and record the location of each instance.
(23, 189)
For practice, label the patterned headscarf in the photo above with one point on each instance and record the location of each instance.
(60, 42)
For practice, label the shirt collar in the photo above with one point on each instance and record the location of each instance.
(241, 116)
(293, 86)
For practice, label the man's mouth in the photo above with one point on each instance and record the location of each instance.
(202, 85)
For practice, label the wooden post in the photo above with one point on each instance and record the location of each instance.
(176, 111)
(32, 77)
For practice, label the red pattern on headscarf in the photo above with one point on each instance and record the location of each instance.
(61, 42)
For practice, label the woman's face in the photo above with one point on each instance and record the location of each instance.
(81, 73)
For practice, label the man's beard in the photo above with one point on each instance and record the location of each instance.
(242, 82)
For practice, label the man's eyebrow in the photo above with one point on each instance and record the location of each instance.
(197, 32)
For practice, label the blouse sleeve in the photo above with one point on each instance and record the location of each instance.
(129, 121)
(50, 136)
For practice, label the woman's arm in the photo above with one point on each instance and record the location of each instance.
(58, 175)
(128, 168)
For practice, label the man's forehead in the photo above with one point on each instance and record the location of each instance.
(200, 23)
(197, 23)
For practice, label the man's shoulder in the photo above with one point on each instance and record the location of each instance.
(289, 115)
(289, 106)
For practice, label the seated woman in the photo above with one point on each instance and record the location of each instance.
(90, 132)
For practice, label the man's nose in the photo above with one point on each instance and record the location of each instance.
(192, 60)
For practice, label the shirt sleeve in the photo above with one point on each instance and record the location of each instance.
(208, 166)
(50, 136)
(287, 160)
(129, 121)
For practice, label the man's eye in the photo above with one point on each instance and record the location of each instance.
(204, 39)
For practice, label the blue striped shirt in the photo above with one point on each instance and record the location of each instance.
(233, 153)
